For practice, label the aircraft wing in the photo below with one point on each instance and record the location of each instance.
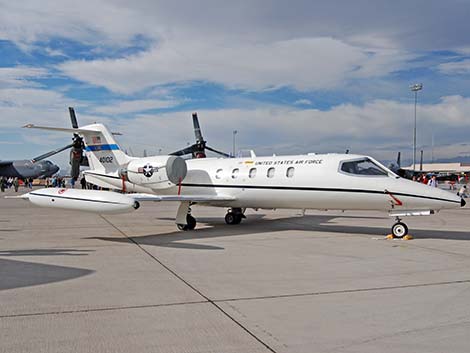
(190, 198)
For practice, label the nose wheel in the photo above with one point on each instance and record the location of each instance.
(399, 229)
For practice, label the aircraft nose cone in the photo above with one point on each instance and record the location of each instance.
(462, 203)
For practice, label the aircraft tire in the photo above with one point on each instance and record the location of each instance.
(238, 218)
(191, 222)
(183, 227)
(399, 230)
(233, 218)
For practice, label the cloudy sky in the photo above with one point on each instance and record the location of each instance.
(290, 76)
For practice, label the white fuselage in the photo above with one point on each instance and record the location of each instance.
(311, 181)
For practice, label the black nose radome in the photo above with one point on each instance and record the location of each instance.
(462, 203)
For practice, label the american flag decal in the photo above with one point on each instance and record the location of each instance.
(96, 140)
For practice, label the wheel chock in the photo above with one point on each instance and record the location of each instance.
(406, 237)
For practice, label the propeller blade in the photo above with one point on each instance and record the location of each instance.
(218, 152)
(197, 149)
(197, 129)
(188, 150)
(399, 160)
(75, 170)
(76, 157)
(73, 117)
(51, 153)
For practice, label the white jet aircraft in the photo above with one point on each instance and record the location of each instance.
(313, 181)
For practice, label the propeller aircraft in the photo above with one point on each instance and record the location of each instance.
(311, 181)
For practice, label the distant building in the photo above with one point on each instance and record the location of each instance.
(453, 168)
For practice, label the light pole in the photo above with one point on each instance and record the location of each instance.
(233, 150)
(415, 88)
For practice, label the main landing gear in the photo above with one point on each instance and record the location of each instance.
(190, 223)
(234, 216)
(399, 229)
(184, 220)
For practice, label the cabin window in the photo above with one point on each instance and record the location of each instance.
(235, 173)
(270, 173)
(252, 173)
(218, 174)
(363, 167)
(290, 172)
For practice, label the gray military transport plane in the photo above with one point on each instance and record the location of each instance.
(28, 168)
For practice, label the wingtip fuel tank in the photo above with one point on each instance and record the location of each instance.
(82, 200)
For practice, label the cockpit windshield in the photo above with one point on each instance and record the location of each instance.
(363, 166)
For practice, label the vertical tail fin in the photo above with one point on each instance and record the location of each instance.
(102, 150)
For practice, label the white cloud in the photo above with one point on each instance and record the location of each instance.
(386, 24)
(455, 67)
(102, 22)
(11, 143)
(54, 52)
(304, 64)
(380, 128)
(20, 76)
(279, 44)
(140, 105)
(303, 102)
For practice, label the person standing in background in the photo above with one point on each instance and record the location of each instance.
(433, 182)
(16, 184)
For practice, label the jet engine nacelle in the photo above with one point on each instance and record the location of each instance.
(158, 172)
(83, 200)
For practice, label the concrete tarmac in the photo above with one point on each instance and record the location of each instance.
(278, 282)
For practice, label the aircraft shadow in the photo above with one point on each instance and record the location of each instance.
(17, 274)
(256, 224)
(379, 231)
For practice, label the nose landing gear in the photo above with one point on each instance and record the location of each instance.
(399, 229)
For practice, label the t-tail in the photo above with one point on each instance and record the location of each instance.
(101, 149)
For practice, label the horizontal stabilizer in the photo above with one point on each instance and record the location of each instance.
(63, 129)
